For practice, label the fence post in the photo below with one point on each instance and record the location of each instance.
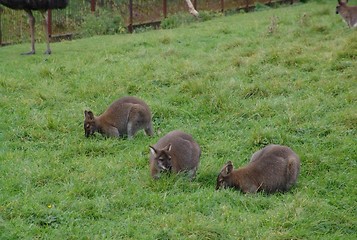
(130, 26)
(164, 8)
(49, 23)
(92, 5)
(0, 26)
(222, 6)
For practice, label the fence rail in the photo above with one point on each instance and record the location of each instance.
(64, 23)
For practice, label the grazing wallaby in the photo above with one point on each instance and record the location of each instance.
(175, 152)
(274, 168)
(349, 14)
(125, 116)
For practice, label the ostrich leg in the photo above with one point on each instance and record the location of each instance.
(32, 31)
(36, 5)
(45, 19)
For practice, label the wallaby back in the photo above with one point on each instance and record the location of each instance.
(125, 116)
(348, 13)
(175, 152)
(271, 169)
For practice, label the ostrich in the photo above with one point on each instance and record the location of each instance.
(42, 6)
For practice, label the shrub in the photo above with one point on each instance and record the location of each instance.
(177, 20)
(100, 23)
(261, 7)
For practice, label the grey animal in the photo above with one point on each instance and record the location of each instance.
(125, 116)
(34, 5)
(274, 168)
(175, 152)
(349, 14)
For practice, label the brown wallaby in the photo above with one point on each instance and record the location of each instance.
(125, 116)
(274, 168)
(349, 14)
(175, 152)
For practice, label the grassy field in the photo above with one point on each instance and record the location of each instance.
(236, 83)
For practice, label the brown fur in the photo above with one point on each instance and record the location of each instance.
(274, 168)
(349, 14)
(175, 152)
(125, 116)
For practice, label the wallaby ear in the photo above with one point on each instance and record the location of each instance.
(229, 167)
(153, 150)
(89, 115)
(168, 147)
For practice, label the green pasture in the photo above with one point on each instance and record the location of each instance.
(236, 83)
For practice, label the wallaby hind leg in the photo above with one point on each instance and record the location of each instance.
(137, 121)
(132, 125)
(293, 172)
(131, 129)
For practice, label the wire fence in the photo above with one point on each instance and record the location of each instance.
(90, 17)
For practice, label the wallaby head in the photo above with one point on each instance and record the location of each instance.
(89, 123)
(222, 181)
(348, 13)
(341, 5)
(175, 152)
(271, 169)
(162, 157)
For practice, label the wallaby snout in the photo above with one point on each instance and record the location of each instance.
(124, 117)
(175, 152)
(274, 168)
(89, 125)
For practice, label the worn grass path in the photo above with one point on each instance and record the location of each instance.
(236, 83)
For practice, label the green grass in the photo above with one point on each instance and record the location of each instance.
(236, 83)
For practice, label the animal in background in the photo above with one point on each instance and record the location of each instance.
(348, 13)
(176, 152)
(274, 168)
(125, 116)
(42, 6)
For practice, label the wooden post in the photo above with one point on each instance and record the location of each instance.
(222, 6)
(164, 8)
(92, 5)
(0, 27)
(130, 26)
(49, 22)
